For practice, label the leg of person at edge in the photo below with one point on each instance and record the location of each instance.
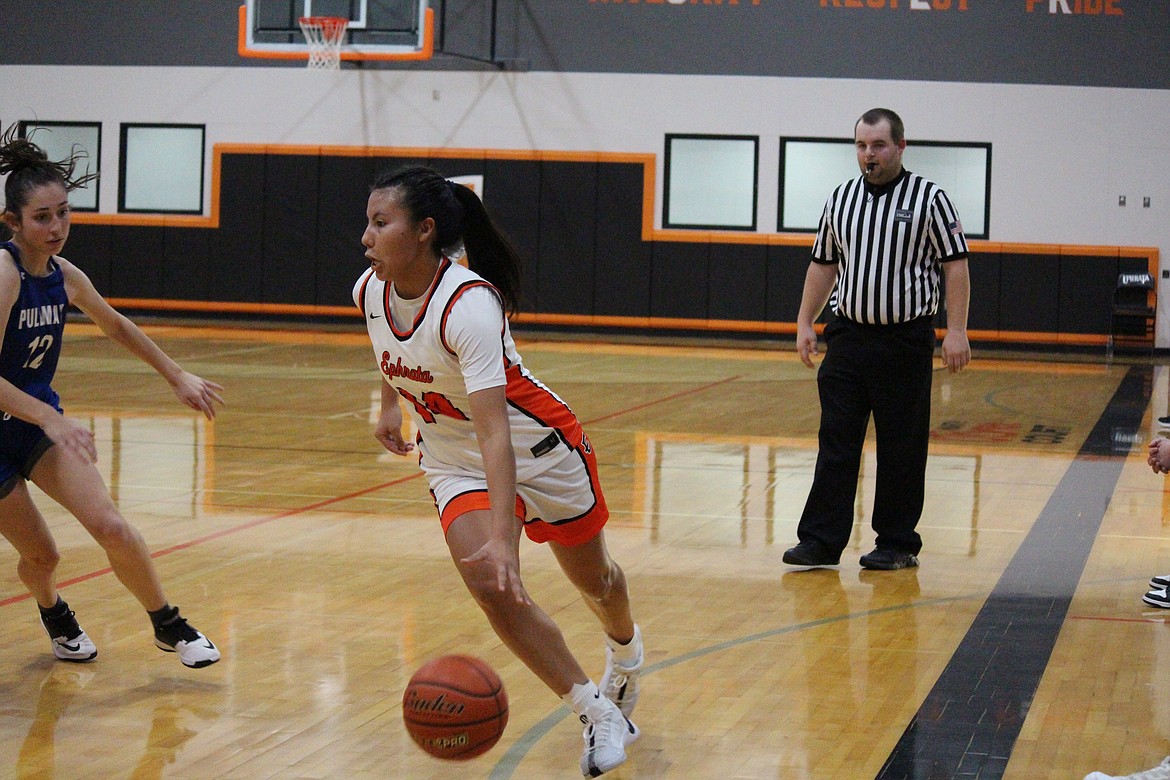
(1158, 458)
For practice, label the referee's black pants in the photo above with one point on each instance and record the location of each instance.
(886, 371)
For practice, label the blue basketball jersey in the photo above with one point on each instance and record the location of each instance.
(32, 340)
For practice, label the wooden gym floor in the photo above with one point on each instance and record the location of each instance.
(1019, 649)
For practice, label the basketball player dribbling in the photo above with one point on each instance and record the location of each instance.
(500, 451)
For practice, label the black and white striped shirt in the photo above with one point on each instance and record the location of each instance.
(888, 243)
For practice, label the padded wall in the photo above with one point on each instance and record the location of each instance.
(568, 214)
(291, 224)
(621, 259)
(339, 257)
(235, 250)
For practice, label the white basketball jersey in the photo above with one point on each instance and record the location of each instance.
(458, 342)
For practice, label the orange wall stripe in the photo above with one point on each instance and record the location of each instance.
(583, 320)
(235, 307)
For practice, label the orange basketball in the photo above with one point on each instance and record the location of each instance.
(455, 707)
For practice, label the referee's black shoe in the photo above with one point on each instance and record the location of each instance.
(810, 554)
(888, 560)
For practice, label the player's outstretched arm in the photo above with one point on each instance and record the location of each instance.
(193, 391)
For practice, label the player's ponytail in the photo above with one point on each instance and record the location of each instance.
(461, 221)
(489, 252)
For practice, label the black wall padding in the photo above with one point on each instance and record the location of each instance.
(1030, 300)
(787, 266)
(984, 310)
(511, 193)
(137, 259)
(568, 215)
(678, 281)
(186, 272)
(88, 248)
(1083, 282)
(291, 226)
(291, 185)
(342, 196)
(236, 256)
(734, 280)
(621, 282)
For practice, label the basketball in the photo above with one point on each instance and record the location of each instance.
(455, 707)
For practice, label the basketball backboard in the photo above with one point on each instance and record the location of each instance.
(377, 30)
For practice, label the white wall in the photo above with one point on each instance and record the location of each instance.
(1060, 155)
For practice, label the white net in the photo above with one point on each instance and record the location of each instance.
(324, 35)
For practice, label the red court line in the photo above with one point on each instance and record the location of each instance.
(679, 394)
(334, 500)
(225, 532)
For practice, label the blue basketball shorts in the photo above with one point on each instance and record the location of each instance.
(21, 445)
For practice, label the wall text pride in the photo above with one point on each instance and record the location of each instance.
(1087, 7)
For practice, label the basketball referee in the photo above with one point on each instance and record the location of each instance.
(885, 239)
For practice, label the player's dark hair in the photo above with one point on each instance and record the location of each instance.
(460, 217)
(876, 115)
(27, 167)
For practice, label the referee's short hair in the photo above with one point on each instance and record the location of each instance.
(876, 115)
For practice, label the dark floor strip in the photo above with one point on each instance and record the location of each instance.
(969, 722)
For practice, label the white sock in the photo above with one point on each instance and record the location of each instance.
(629, 654)
(583, 698)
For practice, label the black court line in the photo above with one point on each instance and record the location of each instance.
(968, 724)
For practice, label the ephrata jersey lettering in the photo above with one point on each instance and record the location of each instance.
(32, 339)
(458, 342)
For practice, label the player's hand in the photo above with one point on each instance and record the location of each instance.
(72, 437)
(389, 433)
(1158, 456)
(198, 393)
(505, 559)
(806, 344)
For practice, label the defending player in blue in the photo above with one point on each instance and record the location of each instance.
(37, 441)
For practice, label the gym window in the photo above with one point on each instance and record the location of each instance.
(811, 168)
(710, 182)
(161, 169)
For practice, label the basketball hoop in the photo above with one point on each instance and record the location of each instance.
(324, 35)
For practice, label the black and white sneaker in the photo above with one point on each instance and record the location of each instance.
(70, 643)
(179, 636)
(1160, 582)
(607, 734)
(1158, 598)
